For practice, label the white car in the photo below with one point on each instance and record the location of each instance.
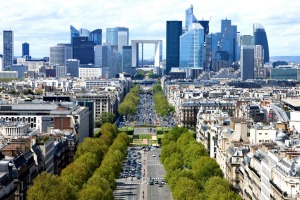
(153, 155)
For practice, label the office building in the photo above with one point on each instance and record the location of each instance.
(98, 55)
(72, 67)
(59, 54)
(260, 38)
(211, 47)
(96, 36)
(246, 40)
(228, 41)
(122, 40)
(126, 60)
(89, 71)
(8, 48)
(74, 33)
(285, 72)
(20, 69)
(60, 71)
(189, 17)
(84, 32)
(83, 50)
(247, 62)
(112, 36)
(191, 47)
(25, 49)
(174, 31)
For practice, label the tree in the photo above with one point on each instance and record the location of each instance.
(106, 117)
(45, 187)
(204, 168)
(186, 188)
(173, 162)
(92, 192)
(93, 145)
(193, 152)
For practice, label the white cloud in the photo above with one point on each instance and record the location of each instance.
(44, 23)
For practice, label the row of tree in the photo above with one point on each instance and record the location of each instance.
(161, 104)
(88, 158)
(103, 182)
(130, 103)
(191, 173)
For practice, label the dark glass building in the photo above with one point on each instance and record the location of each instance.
(8, 48)
(96, 36)
(174, 31)
(25, 49)
(126, 59)
(247, 62)
(83, 50)
(260, 38)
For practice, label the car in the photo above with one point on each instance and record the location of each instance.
(160, 184)
(153, 155)
(156, 182)
(151, 182)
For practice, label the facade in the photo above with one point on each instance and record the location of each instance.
(112, 35)
(260, 38)
(60, 71)
(189, 18)
(59, 54)
(25, 49)
(247, 62)
(126, 60)
(191, 47)
(285, 72)
(229, 40)
(74, 33)
(84, 32)
(98, 55)
(122, 40)
(96, 36)
(8, 48)
(83, 50)
(20, 69)
(72, 67)
(246, 40)
(8, 74)
(174, 31)
(211, 47)
(89, 71)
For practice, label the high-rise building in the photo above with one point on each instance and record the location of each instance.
(112, 35)
(247, 62)
(126, 59)
(122, 40)
(60, 71)
(246, 40)
(72, 67)
(260, 38)
(211, 47)
(98, 55)
(83, 50)
(174, 31)
(96, 36)
(25, 49)
(8, 48)
(59, 54)
(228, 39)
(189, 17)
(74, 33)
(191, 47)
(84, 32)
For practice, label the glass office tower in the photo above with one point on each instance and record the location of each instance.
(174, 31)
(126, 59)
(83, 50)
(112, 35)
(191, 47)
(25, 49)
(59, 54)
(260, 38)
(247, 62)
(96, 36)
(74, 33)
(8, 48)
(228, 39)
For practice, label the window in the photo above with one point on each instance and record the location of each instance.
(259, 133)
(266, 133)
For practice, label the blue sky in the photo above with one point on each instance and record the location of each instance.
(44, 23)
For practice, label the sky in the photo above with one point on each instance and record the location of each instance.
(44, 23)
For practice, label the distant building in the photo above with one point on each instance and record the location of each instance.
(21, 70)
(59, 54)
(126, 60)
(60, 71)
(83, 50)
(74, 33)
(25, 49)
(247, 62)
(260, 38)
(285, 72)
(113, 36)
(72, 67)
(96, 36)
(8, 74)
(246, 40)
(8, 48)
(89, 71)
(174, 31)
(228, 41)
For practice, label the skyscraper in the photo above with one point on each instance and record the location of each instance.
(25, 49)
(83, 50)
(8, 48)
(84, 32)
(112, 35)
(189, 17)
(260, 38)
(174, 31)
(59, 54)
(126, 59)
(72, 67)
(228, 39)
(74, 33)
(247, 62)
(191, 47)
(96, 36)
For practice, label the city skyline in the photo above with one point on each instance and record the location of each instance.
(43, 24)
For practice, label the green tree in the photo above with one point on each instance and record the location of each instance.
(45, 186)
(193, 152)
(186, 189)
(174, 162)
(168, 150)
(93, 145)
(106, 117)
(204, 168)
(93, 192)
